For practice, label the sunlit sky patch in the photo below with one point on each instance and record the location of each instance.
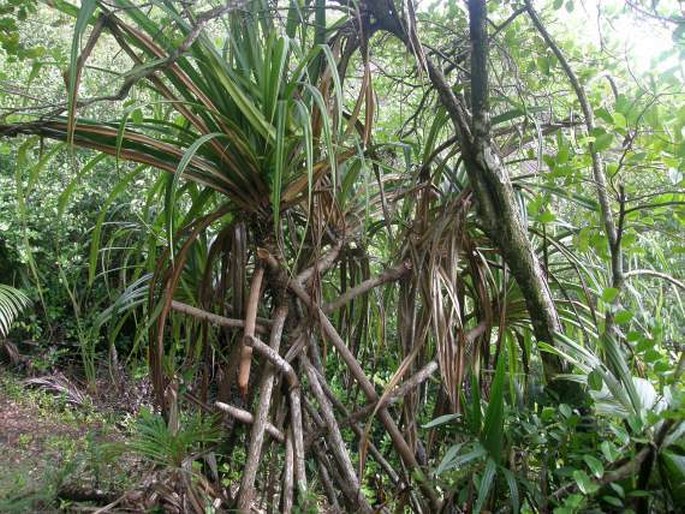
(646, 43)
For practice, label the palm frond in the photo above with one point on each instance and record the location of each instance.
(12, 302)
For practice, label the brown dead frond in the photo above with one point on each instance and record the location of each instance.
(60, 385)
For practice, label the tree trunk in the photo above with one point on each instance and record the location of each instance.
(497, 207)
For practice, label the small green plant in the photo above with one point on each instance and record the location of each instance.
(161, 445)
(12, 302)
(474, 465)
(307, 503)
(174, 451)
(24, 440)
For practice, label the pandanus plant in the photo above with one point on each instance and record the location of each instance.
(260, 142)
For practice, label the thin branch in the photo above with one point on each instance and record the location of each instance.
(597, 165)
(390, 275)
(295, 404)
(288, 472)
(275, 359)
(322, 264)
(654, 15)
(200, 22)
(337, 446)
(254, 454)
(247, 418)
(653, 206)
(366, 385)
(499, 28)
(216, 319)
(359, 431)
(396, 394)
(657, 274)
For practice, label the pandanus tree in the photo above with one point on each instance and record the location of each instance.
(289, 229)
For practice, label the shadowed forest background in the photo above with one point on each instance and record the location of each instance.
(372, 256)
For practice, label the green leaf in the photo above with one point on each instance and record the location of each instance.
(652, 355)
(604, 115)
(673, 469)
(563, 154)
(603, 141)
(644, 345)
(247, 107)
(594, 380)
(595, 465)
(623, 317)
(547, 217)
(493, 426)
(609, 294)
(447, 461)
(634, 336)
(619, 120)
(121, 186)
(620, 433)
(294, 19)
(618, 489)
(513, 490)
(616, 362)
(474, 454)
(170, 197)
(137, 116)
(440, 420)
(584, 482)
(507, 116)
(12, 302)
(486, 482)
(542, 65)
(565, 410)
(279, 165)
(613, 501)
(662, 366)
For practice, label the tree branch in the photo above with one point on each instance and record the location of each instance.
(497, 207)
(254, 454)
(597, 165)
(390, 275)
(657, 274)
(250, 323)
(247, 418)
(216, 319)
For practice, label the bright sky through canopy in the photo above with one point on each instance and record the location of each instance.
(623, 28)
(643, 40)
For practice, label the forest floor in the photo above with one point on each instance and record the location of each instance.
(59, 449)
(66, 449)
